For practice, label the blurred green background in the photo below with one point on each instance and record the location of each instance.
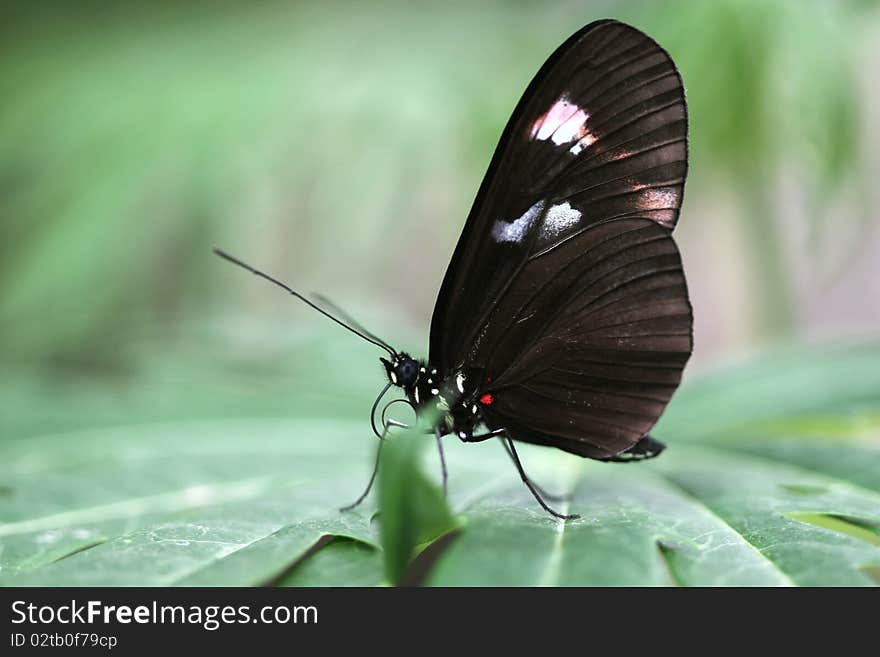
(339, 146)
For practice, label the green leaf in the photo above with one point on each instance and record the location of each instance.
(772, 478)
(341, 562)
(413, 510)
(636, 529)
(780, 508)
(187, 503)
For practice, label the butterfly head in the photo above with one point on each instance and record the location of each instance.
(402, 370)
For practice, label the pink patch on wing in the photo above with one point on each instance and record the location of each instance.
(563, 123)
(659, 199)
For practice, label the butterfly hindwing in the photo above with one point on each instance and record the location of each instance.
(599, 331)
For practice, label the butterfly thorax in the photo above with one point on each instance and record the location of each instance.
(456, 399)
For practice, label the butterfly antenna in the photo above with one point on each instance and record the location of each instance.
(351, 321)
(366, 335)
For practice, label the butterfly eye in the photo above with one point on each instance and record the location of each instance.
(407, 372)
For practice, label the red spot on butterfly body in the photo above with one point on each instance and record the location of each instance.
(487, 399)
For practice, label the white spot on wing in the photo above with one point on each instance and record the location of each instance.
(515, 231)
(459, 382)
(571, 129)
(558, 218)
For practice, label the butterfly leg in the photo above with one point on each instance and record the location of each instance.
(369, 487)
(531, 487)
(386, 427)
(439, 438)
(550, 496)
(500, 434)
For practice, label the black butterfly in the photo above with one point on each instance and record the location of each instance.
(563, 318)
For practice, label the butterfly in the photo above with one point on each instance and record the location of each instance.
(563, 318)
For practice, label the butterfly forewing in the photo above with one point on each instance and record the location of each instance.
(565, 289)
(600, 133)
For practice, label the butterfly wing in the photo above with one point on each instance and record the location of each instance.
(600, 133)
(598, 331)
(565, 293)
